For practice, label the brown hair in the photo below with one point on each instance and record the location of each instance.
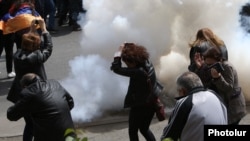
(213, 53)
(134, 53)
(17, 4)
(206, 34)
(30, 41)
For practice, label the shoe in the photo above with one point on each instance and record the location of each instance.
(11, 75)
(82, 10)
(76, 27)
(60, 22)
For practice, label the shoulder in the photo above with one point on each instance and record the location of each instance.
(31, 91)
(228, 66)
(53, 83)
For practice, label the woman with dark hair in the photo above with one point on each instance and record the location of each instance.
(224, 80)
(139, 69)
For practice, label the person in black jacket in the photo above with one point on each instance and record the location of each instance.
(48, 104)
(30, 59)
(139, 69)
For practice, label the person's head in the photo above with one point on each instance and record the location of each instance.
(134, 55)
(186, 82)
(28, 79)
(207, 35)
(30, 41)
(212, 55)
(17, 4)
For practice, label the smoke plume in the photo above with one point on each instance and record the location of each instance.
(164, 27)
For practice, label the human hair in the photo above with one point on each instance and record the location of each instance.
(189, 81)
(28, 79)
(30, 41)
(134, 53)
(17, 4)
(206, 34)
(213, 53)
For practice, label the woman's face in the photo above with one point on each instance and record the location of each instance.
(210, 61)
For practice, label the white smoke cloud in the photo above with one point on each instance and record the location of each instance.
(164, 27)
(93, 87)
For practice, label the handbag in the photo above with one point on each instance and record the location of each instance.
(154, 96)
(159, 110)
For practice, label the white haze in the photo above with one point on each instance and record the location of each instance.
(164, 27)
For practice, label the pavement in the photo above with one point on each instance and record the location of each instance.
(109, 128)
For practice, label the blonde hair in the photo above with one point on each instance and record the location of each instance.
(207, 35)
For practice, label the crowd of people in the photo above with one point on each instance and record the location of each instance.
(209, 92)
(16, 15)
(210, 86)
(49, 117)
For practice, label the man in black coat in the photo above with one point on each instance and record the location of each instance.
(48, 104)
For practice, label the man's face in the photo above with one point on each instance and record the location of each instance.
(181, 91)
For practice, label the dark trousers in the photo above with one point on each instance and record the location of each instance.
(8, 47)
(28, 129)
(139, 120)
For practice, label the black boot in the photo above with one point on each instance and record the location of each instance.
(75, 26)
(61, 20)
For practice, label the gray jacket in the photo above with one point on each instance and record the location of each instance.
(228, 87)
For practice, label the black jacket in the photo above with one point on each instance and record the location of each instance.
(49, 105)
(139, 87)
(30, 62)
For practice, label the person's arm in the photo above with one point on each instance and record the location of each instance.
(116, 66)
(225, 81)
(41, 55)
(20, 109)
(46, 51)
(178, 119)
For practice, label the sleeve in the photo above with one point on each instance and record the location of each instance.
(177, 119)
(226, 80)
(116, 66)
(20, 109)
(48, 47)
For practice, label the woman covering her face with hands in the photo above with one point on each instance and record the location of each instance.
(224, 81)
(138, 69)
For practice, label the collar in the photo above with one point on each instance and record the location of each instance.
(194, 90)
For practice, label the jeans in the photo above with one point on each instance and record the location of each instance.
(45, 8)
(74, 10)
